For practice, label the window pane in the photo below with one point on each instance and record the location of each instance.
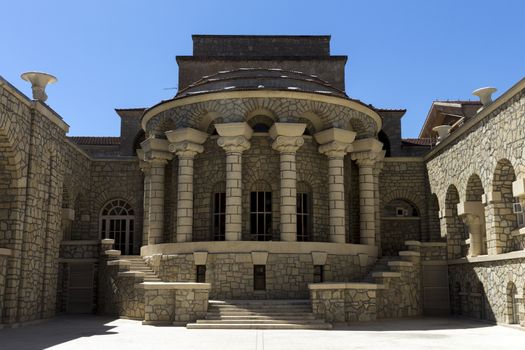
(253, 202)
(223, 203)
(216, 203)
(260, 201)
(253, 223)
(268, 198)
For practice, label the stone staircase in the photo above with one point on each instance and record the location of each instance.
(138, 265)
(260, 314)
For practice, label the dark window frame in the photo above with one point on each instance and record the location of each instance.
(318, 273)
(304, 217)
(261, 215)
(219, 216)
(259, 277)
(201, 273)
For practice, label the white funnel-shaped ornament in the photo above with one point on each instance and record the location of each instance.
(38, 82)
(442, 130)
(485, 95)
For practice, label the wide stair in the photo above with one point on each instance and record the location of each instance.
(138, 265)
(260, 314)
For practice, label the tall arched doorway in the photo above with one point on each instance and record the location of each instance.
(117, 221)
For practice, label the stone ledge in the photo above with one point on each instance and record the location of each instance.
(414, 243)
(174, 285)
(131, 274)
(107, 241)
(77, 260)
(6, 252)
(247, 247)
(401, 218)
(401, 263)
(487, 258)
(434, 262)
(389, 274)
(409, 253)
(119, 263)
(112, 252)
(433, 244)
(343, 285)
(80, 242)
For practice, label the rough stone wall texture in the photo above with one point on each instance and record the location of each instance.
(231, 275)
(32, 164)
(402, 295)
(408, 181)
(118, 295)
(484, 151)
(481, 290)
(85, 250)
(344, 305)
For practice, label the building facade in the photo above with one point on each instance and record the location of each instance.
(262, 180)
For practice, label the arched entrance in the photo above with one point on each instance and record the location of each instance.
(117, 221)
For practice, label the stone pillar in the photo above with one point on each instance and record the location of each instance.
(287, 140)
(367, 153)
(473, 215)
(157, 155)
(234, 139)
(335, 143)
(377, 209)
(186, 144)
(146, 169)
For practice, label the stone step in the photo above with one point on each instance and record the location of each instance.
(262, 307)
(269, 321)
(262, 317)
(266, 314)
(260, 302)
(320, 325)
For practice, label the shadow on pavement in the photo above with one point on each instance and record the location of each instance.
(54, 332)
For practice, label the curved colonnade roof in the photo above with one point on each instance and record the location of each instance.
(260, 78)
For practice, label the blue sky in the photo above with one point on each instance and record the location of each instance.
(121, 54)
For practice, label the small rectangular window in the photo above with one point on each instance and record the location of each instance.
(318, 274)
(259, 277)
(201, 273)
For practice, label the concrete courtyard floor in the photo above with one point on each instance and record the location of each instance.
(92, 332)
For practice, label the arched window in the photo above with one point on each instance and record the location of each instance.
(117, 222)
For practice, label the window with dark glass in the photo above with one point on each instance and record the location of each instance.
(261, 215)
(318, 273)
(259, 277)
(219, 216)
(201, 273)
(303, 217)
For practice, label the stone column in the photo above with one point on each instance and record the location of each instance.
(367, 153)
(377, 210)
(146, 169)
(287, 140)
(473, 215)
(157, 155)
(234, 139)
(367, 206)
(186, 144)
(335, 143)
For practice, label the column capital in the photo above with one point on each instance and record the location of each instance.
(155, 151)
(335, 142)
(143, 165)
(335, 149)
(234, 144)
(368, 159)
(186, 149)
(287, 144)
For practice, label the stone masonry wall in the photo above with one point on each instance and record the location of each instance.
(231, 275)
(480, 290)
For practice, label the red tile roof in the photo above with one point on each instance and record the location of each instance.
(95, 140)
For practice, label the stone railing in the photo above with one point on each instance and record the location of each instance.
(174, 303)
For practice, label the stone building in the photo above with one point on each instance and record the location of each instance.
(261, 195)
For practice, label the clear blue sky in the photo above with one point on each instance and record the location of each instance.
(120, 54)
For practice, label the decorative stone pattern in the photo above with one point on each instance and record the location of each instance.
(345, 304)
(227, 110)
